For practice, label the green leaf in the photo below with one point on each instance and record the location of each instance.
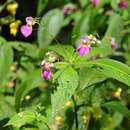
(32, 80)
(22, 118)
(41, 5)
(66, 51)
(117, 106)
(60, 65)
(113, 122)
(83, 2)
(110, 68)
(2, 40)
(89, 76)
(28, 48)
(68, 82)
(49, 27)
(6, 60)
(96, 97)
(115, 28)
(80, 28)
(6, 110)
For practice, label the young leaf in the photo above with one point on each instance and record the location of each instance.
(22, 118)
(49, 27)
(66, 51)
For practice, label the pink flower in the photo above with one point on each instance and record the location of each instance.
(47, 64)
(26, 30)
(47, 74)
(65, 10)
(84, 47)
(122, 4)
(114, 45)
(95, 2)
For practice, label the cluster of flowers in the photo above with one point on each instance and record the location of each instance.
(26, 30)
(47, 64)
(85, 45)
(83, 49)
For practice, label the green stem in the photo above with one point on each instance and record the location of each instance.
(75, 112)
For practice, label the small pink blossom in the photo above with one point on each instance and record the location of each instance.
(84, 46)
(47, 74)
(26, 30)
(83, 49)
(123, 4)
(95, 2)
(47, 64)
(65, 10)
(69, 8)
(114, 45)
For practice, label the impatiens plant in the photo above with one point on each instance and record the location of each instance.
(64, 65)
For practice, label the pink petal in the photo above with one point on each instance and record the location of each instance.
(95, 2)
(47, 74)
(123, 4)
(83, 49)
(26, 31)
(29, 20)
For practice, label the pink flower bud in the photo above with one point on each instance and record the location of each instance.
(65, 10)
(69, 8)
(122, 4)
(95, 2)
(114, 45)
(29, 20)
(47, 74)
(47, 64)
(26, 30)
